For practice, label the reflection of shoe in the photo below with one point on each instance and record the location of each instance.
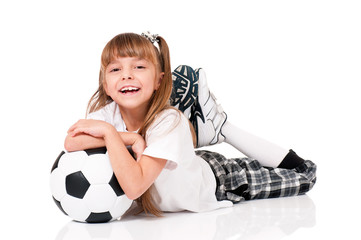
(207, 116)
(185, 88)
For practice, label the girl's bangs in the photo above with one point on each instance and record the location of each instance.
(129, 45)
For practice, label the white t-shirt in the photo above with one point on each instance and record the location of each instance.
(187, 181)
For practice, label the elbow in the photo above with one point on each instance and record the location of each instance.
(68, 147)
(69, 144)
(133, 191)
(133, 195)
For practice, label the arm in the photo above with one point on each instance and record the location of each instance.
(84, 141)
(135, 177)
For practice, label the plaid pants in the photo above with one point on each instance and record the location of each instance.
(241, 179)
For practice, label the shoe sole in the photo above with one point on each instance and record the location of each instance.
(185, 87)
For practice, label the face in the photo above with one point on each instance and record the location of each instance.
(131, 81)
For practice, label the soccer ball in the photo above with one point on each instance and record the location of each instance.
(84, 187)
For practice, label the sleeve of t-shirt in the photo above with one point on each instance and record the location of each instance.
(102, 114)
(96, 116)
(169, 138)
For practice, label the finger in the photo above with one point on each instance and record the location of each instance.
(75, 125)
(78, 131)
(72, 127)
(74, 133)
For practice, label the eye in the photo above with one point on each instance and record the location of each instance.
(114, 70)
(140, 67)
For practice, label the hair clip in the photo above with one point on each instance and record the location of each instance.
(150, 37)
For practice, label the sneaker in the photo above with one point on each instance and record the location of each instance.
(185, 88)
(207, 116)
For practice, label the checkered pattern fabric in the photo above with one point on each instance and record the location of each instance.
(241, 179)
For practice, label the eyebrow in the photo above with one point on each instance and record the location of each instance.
(135, 59)
(140, 59)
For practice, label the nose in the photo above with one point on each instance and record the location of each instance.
(127, 75)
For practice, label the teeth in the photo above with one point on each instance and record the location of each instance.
(129, 89)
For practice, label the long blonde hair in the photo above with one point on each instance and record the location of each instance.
(134, 45)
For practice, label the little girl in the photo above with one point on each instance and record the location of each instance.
(131, 108)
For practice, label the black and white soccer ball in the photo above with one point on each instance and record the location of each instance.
(85, 188)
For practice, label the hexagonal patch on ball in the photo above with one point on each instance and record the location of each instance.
(76, 184)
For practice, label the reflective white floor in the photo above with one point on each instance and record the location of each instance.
(302, 217)
(273, 219)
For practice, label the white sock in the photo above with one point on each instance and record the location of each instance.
(267, 153)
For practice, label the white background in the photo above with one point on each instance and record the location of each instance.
(284, 70)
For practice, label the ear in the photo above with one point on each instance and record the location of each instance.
(161, 75)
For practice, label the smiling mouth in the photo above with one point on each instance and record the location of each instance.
(128, 90)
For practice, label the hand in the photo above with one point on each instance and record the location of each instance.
(95, 128)
(138, 146)
(136, 142)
